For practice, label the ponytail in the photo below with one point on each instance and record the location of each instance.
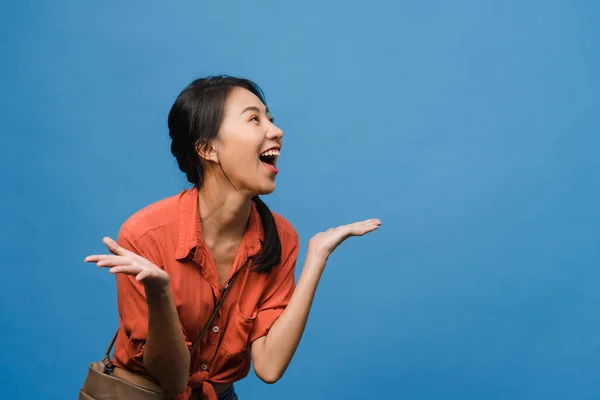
(270, 255)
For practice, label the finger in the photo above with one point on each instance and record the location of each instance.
(142, 275)
(115, 248)
(369, 222)
(95, 257)
(369, 225)
(349, 229)
(368, 229)
(126, 269)
(363, 227)
(98, 257)
(376, 221)
(365, 222)
(107, 258)
(114, 261)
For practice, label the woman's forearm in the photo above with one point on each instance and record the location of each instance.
(278, 347)
(166, 355)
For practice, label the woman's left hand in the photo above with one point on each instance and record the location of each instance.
(324, 243)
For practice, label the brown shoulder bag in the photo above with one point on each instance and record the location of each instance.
(100, 384)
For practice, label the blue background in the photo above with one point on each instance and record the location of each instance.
(469, 127)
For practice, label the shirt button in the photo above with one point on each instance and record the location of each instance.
(215, 329)
(204, 367)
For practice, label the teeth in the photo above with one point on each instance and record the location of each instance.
(271, 153)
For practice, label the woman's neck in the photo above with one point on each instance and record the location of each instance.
(224, 214)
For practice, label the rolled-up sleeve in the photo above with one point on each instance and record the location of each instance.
(131, 300)
(131, 303)
(277, 294)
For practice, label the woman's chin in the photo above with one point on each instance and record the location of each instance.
(267, 189)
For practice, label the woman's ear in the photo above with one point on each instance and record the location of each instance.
(207, 151)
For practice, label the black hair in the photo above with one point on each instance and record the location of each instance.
(194, 120)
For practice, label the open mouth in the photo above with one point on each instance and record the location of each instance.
(269, 157)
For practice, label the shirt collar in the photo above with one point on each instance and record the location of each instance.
(190, 235)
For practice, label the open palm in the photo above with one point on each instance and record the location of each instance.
(324, 243)
(124, 261)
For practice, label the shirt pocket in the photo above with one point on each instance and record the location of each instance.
(233, 356)
(235, 340)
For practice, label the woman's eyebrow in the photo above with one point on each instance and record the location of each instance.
(253, 108)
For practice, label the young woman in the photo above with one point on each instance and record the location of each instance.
(175, 259)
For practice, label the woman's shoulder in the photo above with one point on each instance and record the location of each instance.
(156, 215)
(287, 232)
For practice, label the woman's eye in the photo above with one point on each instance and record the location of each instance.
(255, 118)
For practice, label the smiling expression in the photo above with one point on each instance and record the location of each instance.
(248, 144)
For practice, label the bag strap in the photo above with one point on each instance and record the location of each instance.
(212, 317)
(202, 333)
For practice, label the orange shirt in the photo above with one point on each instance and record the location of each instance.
(169, 234)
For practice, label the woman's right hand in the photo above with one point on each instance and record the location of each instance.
(126, 262)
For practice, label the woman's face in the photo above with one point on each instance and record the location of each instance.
(248, 144)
